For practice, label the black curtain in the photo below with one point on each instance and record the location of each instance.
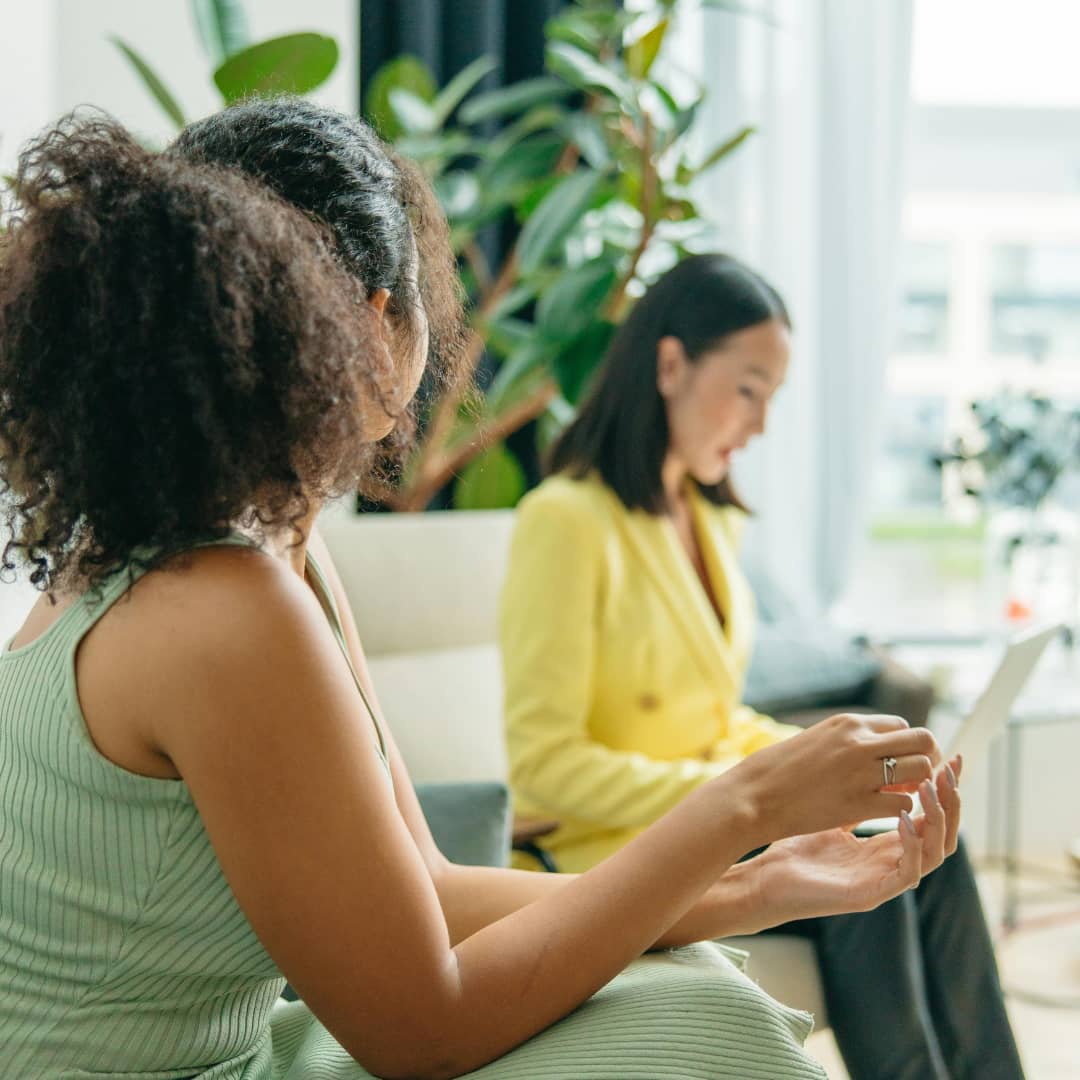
(448, 34)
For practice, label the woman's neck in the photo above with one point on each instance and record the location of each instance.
(673, 474)
(283, 544)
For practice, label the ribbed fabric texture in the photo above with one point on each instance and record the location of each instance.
(123, 953)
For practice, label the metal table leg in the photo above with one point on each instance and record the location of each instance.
(1012, 827)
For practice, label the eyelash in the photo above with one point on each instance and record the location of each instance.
(747, 393)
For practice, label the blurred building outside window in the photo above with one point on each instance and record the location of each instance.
(989, 300)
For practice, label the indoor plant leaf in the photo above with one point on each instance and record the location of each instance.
(293, 64)
(576, 298)
(222, 26)
(492, 481)
(529, 160)
(641, 54)
(586, 73)
(576, 363)
(414, 115)
(559, 211)
(152, 82)
(513, 99)
(455, 91)
(407, 72)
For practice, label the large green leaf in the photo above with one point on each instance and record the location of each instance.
(514, 300)
(458, 192)
(414, 115)
(577, 362)
(405, 72)
(561, 209)
(531, 159)
(641, 53)
(580, 69)
(222, 26)
(575, 299)
(294, 64)
(540, 118)
(522, 372)
(152, 82)
(513, 99)
(439, 147)
(493, 481)
(586, 131)
(507, 335)
(455, 91)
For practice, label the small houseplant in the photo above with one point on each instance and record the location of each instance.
(1014, 463)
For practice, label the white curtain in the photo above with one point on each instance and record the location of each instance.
(813, 202)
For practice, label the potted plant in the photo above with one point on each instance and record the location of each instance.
(593, 164)
(1013, 463)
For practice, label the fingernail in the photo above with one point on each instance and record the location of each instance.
(905, 819)
(951, 777)
(931, 793)
(960, 761)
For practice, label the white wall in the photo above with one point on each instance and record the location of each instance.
(56, 54)
(26, 73)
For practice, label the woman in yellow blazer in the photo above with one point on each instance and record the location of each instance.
(626, 629)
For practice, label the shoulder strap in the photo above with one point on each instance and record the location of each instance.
(326, 600)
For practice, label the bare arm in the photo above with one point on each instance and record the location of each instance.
(741, 901)
(473, 897)
(257, 710)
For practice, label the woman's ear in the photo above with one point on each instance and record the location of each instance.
(671, 361)
(377, 298)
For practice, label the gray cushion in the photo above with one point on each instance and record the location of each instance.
(799, 664)
(470, 822)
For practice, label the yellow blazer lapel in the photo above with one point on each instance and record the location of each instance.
(655, 543)
(719, 549)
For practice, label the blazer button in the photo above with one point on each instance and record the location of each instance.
(648, 702)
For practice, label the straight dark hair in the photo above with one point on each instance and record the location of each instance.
(621, 430)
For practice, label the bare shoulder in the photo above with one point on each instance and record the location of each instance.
(173, 650)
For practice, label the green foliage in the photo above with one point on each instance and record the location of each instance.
(491, 480)
(158, 90)
(1023, 445)
(222, 26)
(593, 163)
(294, 64)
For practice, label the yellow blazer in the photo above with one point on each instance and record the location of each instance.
(622, 688)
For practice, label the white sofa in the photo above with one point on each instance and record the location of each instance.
(424, 591)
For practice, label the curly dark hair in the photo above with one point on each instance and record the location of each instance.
(388, 226)
(181, 350)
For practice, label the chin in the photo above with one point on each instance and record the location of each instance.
(712, 476)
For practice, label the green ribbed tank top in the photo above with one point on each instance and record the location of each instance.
(125, 956)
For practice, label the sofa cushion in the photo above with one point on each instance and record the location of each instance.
(444, 708)
(798, 664)
(470, 822)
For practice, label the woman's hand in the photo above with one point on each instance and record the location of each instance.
(830, 775)
(834, 872)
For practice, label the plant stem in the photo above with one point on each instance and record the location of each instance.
(444, 466)
(648, 224)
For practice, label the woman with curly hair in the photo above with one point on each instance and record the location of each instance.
(198, 793)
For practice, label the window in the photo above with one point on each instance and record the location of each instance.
(924, 307)
(1035, 302)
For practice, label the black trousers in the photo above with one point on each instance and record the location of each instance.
(912, 987)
